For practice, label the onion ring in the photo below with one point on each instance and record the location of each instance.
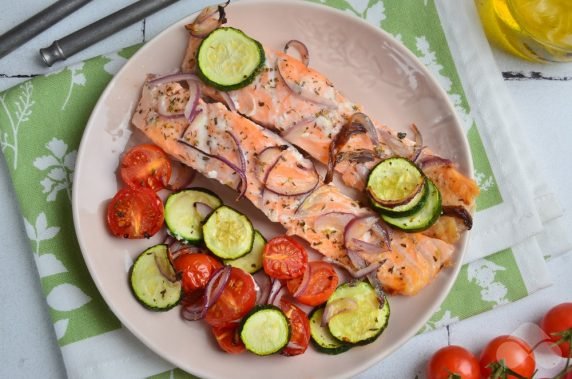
(301, 48)
(336, 307)
(459, 212)
(205, 21)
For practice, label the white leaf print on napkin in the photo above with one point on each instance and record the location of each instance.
(67, 297)
(61, 326)
(48, 265)
(61, 164)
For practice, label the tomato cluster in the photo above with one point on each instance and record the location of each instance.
(506, 357)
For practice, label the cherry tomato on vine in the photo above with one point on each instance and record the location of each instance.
(557, 324)
(506, 355)
(145, 166)
(453, 360)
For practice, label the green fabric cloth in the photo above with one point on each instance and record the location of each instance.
(42, 121)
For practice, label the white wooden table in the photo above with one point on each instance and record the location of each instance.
(28, 348)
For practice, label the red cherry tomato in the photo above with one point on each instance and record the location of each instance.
(515, 354)
(228, 339)
(145, 166)
(557, 323)
(196, 269)
(300, 326)
(135, 213)
(323, 282)
(237, 298)
(455, 360)
(284, 258)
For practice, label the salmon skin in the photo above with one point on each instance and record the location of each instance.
(308, 111)
(229, 148)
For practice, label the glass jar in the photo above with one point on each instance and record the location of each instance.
(537, 30)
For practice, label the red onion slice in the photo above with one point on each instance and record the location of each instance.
(264, 284)
(305, 281)
(203, 209)
(333, 221)
(183, 176)
(363, 229)
(170, 78)
(243, 182)
(418, 143)
(216, 285)
(165, 268)
(274, 291)
(301, 48)
(193, 306)
(356, 156)
(434, 160)
(206, 21)
(227, 100)
(459, 212)
(289, 177)
(266, 159)
(336, 307)
(191, 110)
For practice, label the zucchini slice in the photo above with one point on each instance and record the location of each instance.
(149, 285)
(322, 339)
(426, 216)
(399, 182)
(364, 323)
(228, 59)
(228, 234)
(251, 262)
(181, 216)
(406, 209)
(265, 330)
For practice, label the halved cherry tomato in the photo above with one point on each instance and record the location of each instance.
(323, 282)
(228, 338)
(557, 323)
(300, 327)
(196, 270)
(135, 213)
(284, 258)
(237, 298)
(506, 353)
(146, 166)
(453, 360)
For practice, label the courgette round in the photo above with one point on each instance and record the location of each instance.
(322, 339)
(228, 59)
(426, 216)
(396, 186)
(227, 233)
(364, 323)
(265, 330)
(251, 262)
(183, 220)
(151, 286)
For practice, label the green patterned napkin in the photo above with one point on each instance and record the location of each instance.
(42, 121)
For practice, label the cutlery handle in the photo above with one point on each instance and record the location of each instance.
(36, 24)
(67, 46)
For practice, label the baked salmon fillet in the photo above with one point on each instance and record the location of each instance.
(307, 110)
(285, 185)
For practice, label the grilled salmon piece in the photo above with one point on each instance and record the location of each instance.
(307, 110)
(229, 148)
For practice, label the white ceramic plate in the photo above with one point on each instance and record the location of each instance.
(368, 66)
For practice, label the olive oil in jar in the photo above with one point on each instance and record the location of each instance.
(537, 30)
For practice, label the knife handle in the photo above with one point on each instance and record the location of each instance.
(87, 36)
(36, 24)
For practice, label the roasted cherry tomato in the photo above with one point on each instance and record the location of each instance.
(322, 283)
(284, 258)
(228, 338)
(237, 298)
(196, 269)
(453, 362)
(146, 166)
(505, 354)
(557, 323)
(300, 327)
(135, 213)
